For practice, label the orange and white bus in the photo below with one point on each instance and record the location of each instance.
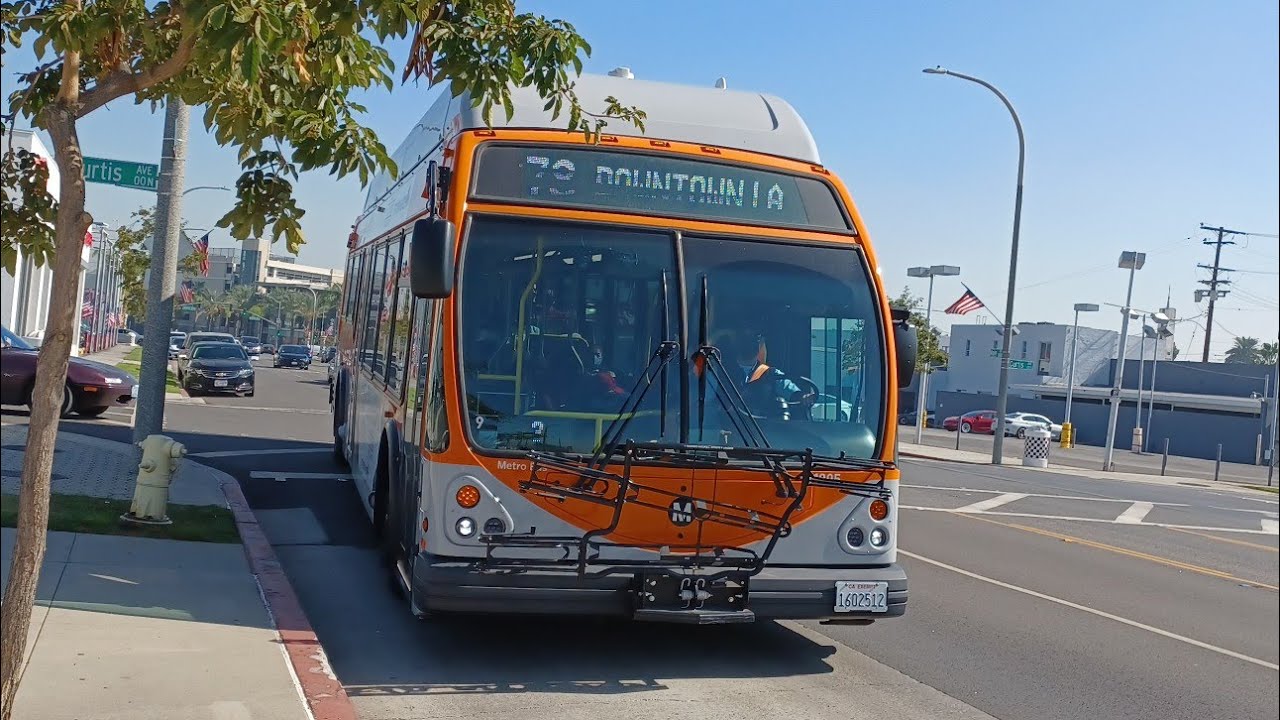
(653, 376)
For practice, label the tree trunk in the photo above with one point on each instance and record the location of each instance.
(46, 401)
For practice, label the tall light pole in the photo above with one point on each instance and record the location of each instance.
(1162, 320)
(1147, 332)
(311, 328)
(1071, 368)
(1002, 400)
(923, 386)
(1133, 262)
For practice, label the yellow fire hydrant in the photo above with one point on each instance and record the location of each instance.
(159, 464)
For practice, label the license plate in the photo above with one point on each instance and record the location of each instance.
(861, 596)
(219, 383)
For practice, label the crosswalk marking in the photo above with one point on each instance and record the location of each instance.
(991, 503)
(1270, 527)
(1135, 514)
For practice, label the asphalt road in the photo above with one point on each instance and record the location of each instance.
(1033, 595)
(1091, 457)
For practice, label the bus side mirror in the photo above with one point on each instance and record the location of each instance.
(906, 342)
(431, 253)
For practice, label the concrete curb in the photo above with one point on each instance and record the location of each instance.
(325, 697)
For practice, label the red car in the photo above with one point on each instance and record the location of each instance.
(976, 421)
(92, 387)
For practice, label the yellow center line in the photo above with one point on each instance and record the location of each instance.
(1233, 541)
(1125, 551)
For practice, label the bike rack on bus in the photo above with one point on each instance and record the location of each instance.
(793, 473)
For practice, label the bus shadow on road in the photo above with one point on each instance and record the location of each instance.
(583, 656)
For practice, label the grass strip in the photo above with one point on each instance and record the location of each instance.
(101, 516)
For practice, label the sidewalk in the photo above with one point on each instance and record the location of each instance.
(139, 628)
(931, 452)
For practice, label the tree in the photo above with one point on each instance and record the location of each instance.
(1269, 353)
(930, 353)
(1245, 351)
(134, 261)
(275, 80)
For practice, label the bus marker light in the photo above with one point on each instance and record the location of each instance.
(468, 496)
(879, 510)
(424, 524)
(855, 536)
(466, 527)
(879, 537)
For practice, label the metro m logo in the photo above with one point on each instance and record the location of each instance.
(681, 511)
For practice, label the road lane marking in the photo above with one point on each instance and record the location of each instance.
(990, 503)
(271, 451)
(1270, 527)
(1094, 611)
(288, 475)
(1243, 531)
(1167, 562)
(1233, 541)
(1093, 498)
(1136, 513)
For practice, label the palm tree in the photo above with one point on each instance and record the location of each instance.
(1244, 351)
(1269, 353)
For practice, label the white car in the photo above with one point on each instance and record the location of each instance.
(1019, 422)
(825, 408)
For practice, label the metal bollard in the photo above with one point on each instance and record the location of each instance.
(957, 436)
(1164, 461)
(159, 464)
(1217, 464)
(1067, 438)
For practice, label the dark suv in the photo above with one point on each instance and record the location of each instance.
(293, 356)
(217, 368)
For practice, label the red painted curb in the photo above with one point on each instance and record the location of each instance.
(325, 696)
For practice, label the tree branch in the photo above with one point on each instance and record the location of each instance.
(122, 81)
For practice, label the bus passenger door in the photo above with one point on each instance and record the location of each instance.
(408, 495)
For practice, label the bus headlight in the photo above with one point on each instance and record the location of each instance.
(465, 526)
(879, 537)
(855, 536)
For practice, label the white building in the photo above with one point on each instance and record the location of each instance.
(1038, 356)
(24, 296)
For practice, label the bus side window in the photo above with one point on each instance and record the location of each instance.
(437, 413)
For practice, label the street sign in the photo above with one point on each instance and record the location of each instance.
(1020, 365)
(995, 352)
(139, 176)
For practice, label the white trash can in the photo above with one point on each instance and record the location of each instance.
(1035, 450)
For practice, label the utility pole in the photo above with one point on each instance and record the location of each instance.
(149, 418)
(1213, 282)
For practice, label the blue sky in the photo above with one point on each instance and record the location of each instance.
(1143, 119)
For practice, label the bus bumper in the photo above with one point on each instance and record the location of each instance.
(442, 585)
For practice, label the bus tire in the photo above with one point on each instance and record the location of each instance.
(381, 492)
(339, 418)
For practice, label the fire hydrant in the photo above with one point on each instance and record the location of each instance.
(159, 464)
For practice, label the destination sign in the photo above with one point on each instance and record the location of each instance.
(655, 184)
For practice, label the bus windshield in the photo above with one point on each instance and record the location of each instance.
(559, 322)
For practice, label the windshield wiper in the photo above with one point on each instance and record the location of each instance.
(666, 351)
(707, 359)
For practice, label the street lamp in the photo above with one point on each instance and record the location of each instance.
(922, 392)
(1133, 262)
(1002, 400)
(1162, 319)
(1071, 368)
(206, 187)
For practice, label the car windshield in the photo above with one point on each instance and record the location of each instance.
(559, 322)
(249, 340)
(218, 351)
(14, 340)
(293, 350)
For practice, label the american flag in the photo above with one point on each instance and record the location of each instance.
(88, 238)
(966, 304)
(201, 245)
(186, 292)
(86, 310)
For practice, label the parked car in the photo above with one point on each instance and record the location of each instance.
(268, 349)
(293, 356)
(176, 341)
(91, 387)
(127, 336)
(909, 418)
(978, 421)
(199, 337)
(1018, 423)
(217, 367)
(825, 408)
